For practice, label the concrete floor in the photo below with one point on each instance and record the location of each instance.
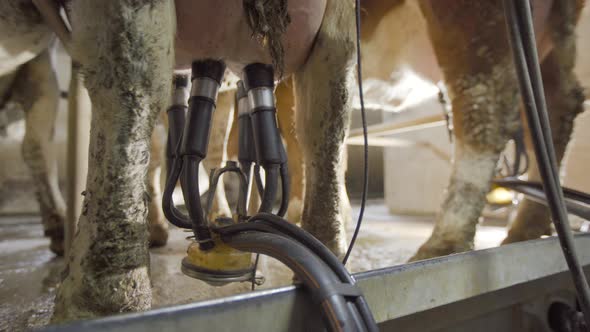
(29, 273)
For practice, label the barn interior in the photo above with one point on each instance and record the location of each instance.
(410, 159)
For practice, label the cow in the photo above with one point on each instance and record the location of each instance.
(28, 80)
(478, 70)
(127, 50)
(429, 39)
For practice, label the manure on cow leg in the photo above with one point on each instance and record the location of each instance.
(269, 20)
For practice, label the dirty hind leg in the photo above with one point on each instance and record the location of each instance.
(323, 106)
(484, 95)
(125, 48)
(157, 224)
(565, 100)
(37, 90)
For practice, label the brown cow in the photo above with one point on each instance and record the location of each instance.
(480, 77)
(446, 40)
(28, 80)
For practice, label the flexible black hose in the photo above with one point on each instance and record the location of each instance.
(312, 271)
(271, 185)
(522, 39)
(171, 213)
(285, 189)
(267, 222)
(519, 154)
(323, 252)
(189, 182)
(258, 180)
(568, 192)
(538, 195)
(247, 169)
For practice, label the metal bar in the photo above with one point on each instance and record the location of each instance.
(395, 128)
(381, 141)
(392, 293)
(400, 143)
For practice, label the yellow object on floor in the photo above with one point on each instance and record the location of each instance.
(500, 196)
(222, 258)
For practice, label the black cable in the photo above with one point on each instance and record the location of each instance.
(323, 252)
(285, 189)
(312, 271)
(365, 135)
(189, 183)
(171, 213)
(568, 192)
(537, 194)
(255, 267)
(271, 184)
(522, 39)
(258, 180)
(520, 154)
(265, 222)
(269, 221)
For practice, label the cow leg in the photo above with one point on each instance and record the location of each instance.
(323, 106)
(37, 90)
(285, 114)
(126, 51)
(479, 73)
(565, 100)
(157, 224)
(217, 143)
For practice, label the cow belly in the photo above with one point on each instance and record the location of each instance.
(23, 35)
(219, 30)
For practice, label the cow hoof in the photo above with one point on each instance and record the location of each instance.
(158, 235)
(519, 234)
(433, 252)
(56, 236)
(512, 239)
(57, 246)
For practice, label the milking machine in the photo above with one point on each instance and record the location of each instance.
(220, 248)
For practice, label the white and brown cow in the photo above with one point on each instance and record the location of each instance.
(28, 80)
(469, 42)
(446, 40)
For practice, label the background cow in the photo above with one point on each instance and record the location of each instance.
(27, 79)
(475, 62)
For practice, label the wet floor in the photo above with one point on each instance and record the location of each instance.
(29, 273)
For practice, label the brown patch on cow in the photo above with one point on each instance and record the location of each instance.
(269, 20)
(532, 222)
(373, 11)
